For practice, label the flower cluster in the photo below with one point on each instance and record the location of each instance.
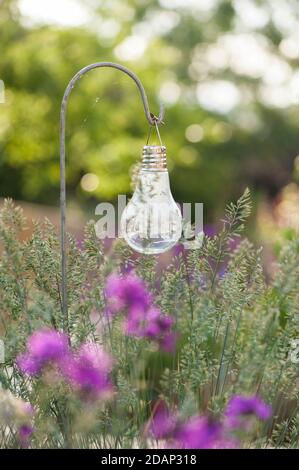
(241, 407)
(43, 346)
(129, 294)
(126, 292)
(201, 432)
(86, 370)
(18, 414)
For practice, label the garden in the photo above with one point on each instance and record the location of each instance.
(194, 355)
(110, 343)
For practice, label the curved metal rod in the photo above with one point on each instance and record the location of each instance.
(153, 121)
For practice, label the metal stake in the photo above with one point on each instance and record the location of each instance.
(153, 121)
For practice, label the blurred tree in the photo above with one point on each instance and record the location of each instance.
(226, 70)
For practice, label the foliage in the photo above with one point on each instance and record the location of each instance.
(234, 332)
(253, 144)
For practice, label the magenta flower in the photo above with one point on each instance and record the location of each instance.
(240, 407)
(25, 432)
(199, 433)
(168, 342)
(43, 346)
(151, 324)
(88, 371)
(157, 324)
(47, 345)
(143, 321)
(202, 432)
(126, 292)
(163, 423)
(28, 365)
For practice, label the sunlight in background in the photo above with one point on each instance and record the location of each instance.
(74, 13)
(218, 70)
(132, 48)
(61, 12)
(246, 54)
(109, 28)
(199, 4)
(157, 24)
(244, 51)
(170, 92)
(251, 14)
(219, 96)
(290, 47)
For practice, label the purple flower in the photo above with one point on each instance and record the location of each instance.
(25, 432)
(157, 324)
(199, 433)
(47, 345)
(178, 249)
(143, 321)
(240, 407)
(151, 324)
(168, 342)
(28, 365)
(88, 371)
(163, 423)
(210, 230)
(43, 346)
(127, 292)
(135, 322)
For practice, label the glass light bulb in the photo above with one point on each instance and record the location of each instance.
(151, 223)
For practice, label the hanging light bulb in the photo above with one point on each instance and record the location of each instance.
(151, 222)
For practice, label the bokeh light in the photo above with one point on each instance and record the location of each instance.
(89, 182)
(194, 133)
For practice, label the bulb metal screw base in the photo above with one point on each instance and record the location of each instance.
(154, 158)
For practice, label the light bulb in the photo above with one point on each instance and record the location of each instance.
(151, 223)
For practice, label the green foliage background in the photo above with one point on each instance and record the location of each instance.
(106, 126)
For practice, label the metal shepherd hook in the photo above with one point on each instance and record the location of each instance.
(153, 121)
